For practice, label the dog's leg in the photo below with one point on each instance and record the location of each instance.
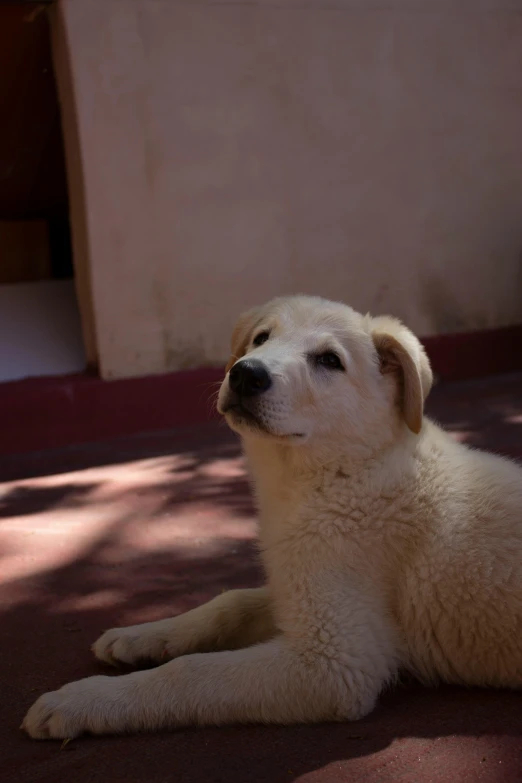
(230, 621)
(326, 665)
(267, 683)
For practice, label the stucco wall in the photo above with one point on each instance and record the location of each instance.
(364, 150)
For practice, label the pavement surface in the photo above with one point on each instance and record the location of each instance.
(135, 529)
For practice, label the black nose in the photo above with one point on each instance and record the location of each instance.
(249, 377)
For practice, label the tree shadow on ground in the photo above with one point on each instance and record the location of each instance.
(484, 414)
(210, 440)
(55, 616)
(48, 635)
(49, 617)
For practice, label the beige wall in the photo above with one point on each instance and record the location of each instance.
(367, 151)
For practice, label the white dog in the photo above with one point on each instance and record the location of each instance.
(387, 546)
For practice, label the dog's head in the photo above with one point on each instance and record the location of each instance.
(304, 369)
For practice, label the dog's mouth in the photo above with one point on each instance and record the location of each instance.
(242, 416)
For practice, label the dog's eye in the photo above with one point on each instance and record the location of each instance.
(260, 338)
(329, 360)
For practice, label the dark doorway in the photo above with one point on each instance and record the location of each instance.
(40, 331)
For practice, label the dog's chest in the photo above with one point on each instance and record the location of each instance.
(326, 518)
(332, 523)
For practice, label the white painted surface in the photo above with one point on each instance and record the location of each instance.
(366, 150)
(40, 331)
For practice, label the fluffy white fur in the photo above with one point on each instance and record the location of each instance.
(387, 547)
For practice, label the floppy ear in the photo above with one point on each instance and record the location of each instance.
(241, 335)
(401, 354)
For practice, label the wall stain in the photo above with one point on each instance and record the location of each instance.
(446, 312)
(176, 356)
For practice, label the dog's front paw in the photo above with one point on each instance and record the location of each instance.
(89, 705)
(134, 645)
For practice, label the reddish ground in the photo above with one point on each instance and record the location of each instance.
(133, 529)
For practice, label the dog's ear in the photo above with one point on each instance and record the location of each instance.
(400, 353)
(241, 335)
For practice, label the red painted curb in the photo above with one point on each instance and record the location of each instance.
(44, 413)
(466, 355)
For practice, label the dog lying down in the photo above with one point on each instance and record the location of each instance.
(387, 546)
